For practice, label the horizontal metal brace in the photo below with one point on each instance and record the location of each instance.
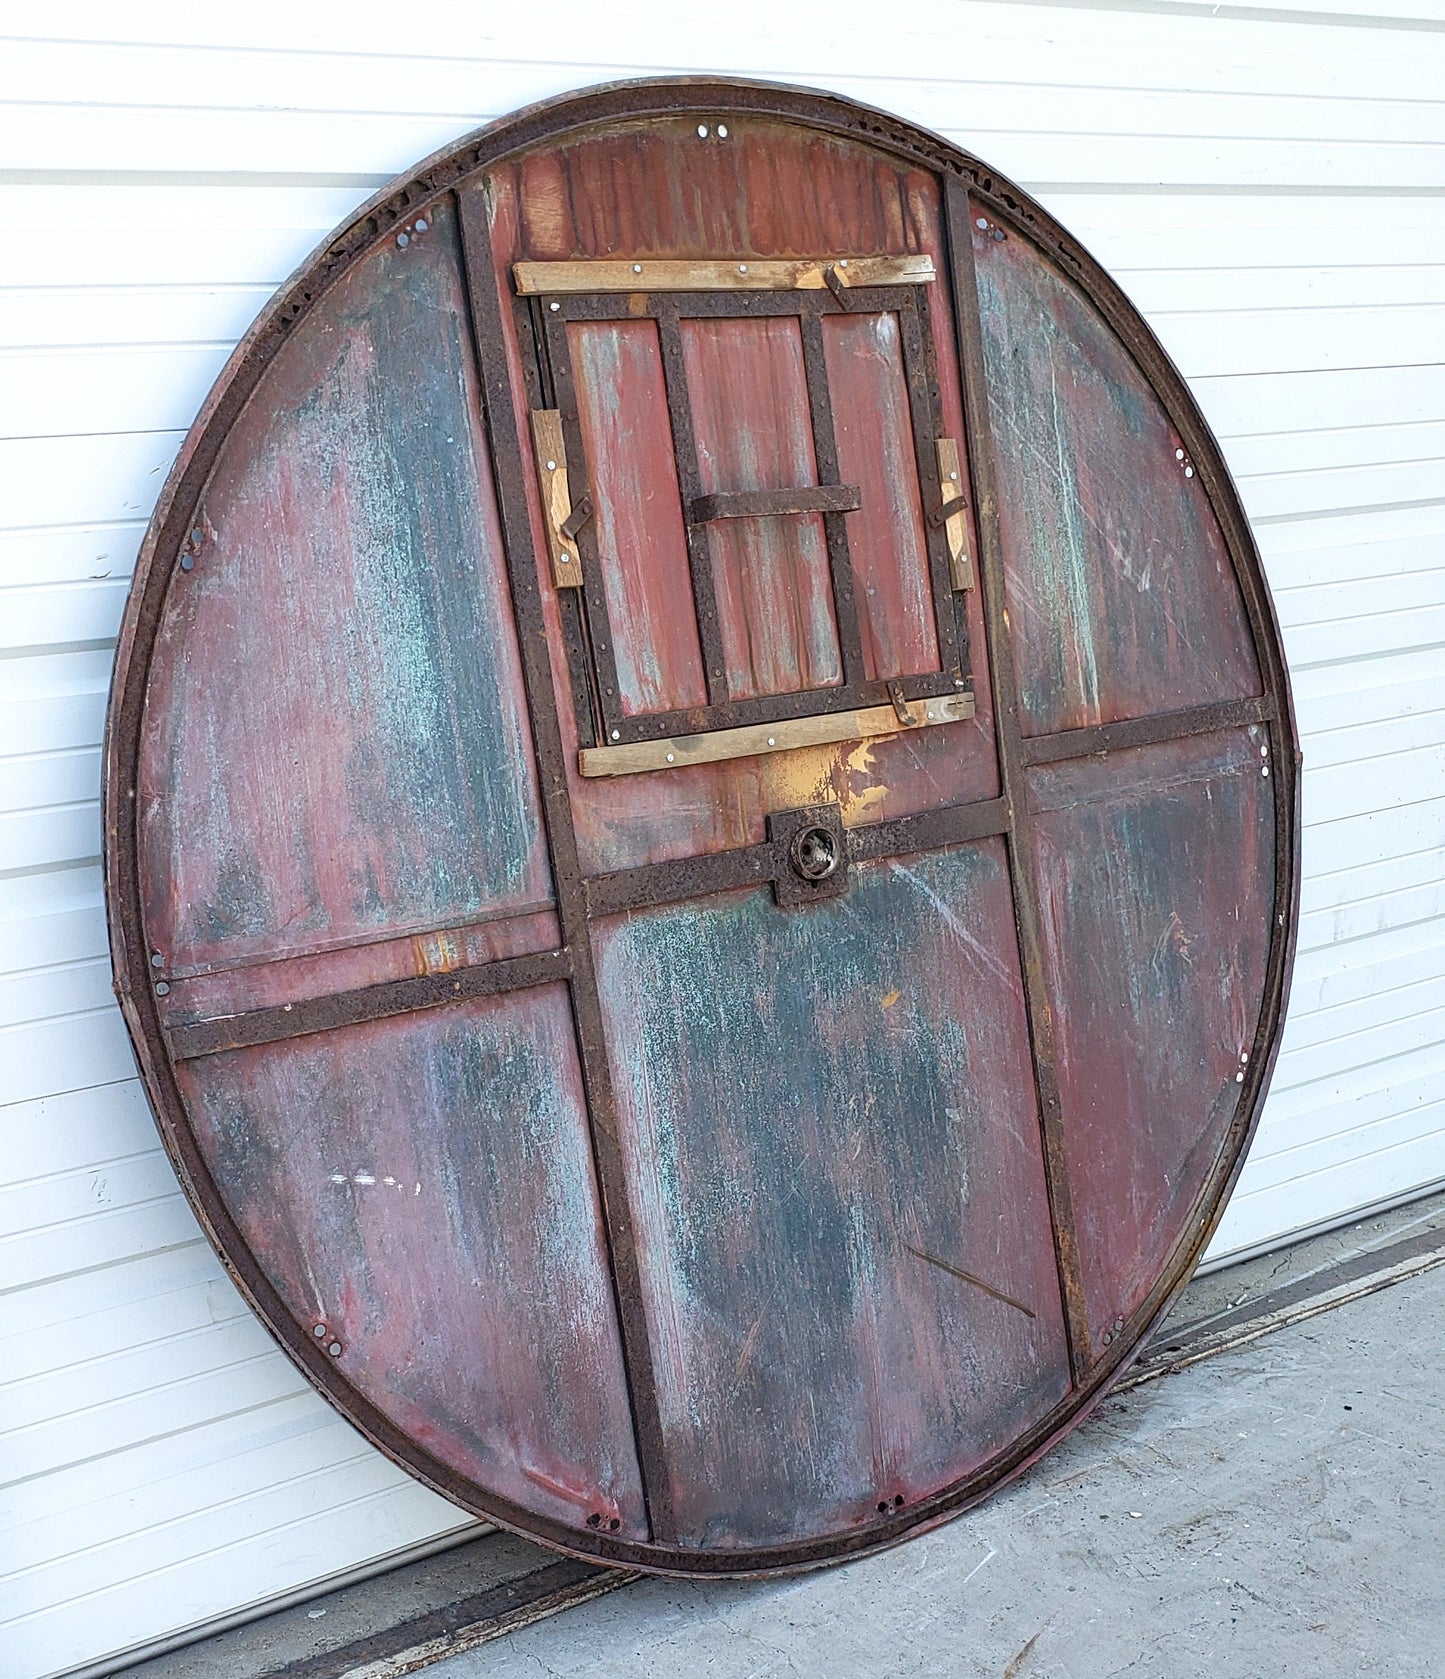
(718, 745)
(722, 274)
(762, 504)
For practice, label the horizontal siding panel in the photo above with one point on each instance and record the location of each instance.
(1316, 1195)
(91, 479)
(76, 1052)
(62, 613)
(80, 1323)
(1348, 971)
(35, 839)
(164, 233)
(1252, 403)
(1185, 49)
(343, 1517)
(131, 388)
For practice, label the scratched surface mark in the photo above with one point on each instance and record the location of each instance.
(1152, 867)
(1121, 592)
(335, 745)
(749, 400)
(641, 542)
(423, 1187)
(886, 541)
(772, 189)
(830, 1129)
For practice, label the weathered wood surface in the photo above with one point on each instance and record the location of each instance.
(422, 1187)
(1121, 589)
(870, 417)
(1151, 867)
(828, 1117)
(656, 275)
(336, 745)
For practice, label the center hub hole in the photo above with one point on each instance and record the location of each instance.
(815, 853)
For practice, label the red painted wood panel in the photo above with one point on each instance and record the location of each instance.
(423, 1187)
(262, 982)
(886, 539)
(749, 400)
(1121, 591)
(350, 568)
(641, 542)
(657, 190)
(822, 1112)
(1151, 868)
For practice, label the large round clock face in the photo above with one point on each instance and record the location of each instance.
(701, 826)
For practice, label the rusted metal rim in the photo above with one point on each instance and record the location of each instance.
(375, 222)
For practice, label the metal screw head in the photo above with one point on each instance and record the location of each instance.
(722, 131)
(617, 734)
(702, 131)
(157, 960)
(187, 561)
(402, 241)
(335, 1349)
(554, 307)
(162, 989)
(319, 1331)
(420, 225)
(637, 268)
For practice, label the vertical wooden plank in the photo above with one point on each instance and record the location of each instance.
(749, 396)
(372, 771)
(502, 388)
(871, 420)
(1154, 861)
(422, 1188)
(843, 1210)
(1120, 586)
(641, 542)
(983, 468)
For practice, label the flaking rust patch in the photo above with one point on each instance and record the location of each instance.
(838, 774)
(808, 776)
(862, 794)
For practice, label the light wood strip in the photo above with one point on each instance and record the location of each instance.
(950, 478)
(741, 274)
(551, 451)
(716, 745)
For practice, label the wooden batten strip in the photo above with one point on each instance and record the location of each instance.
(551, 452)
(717, 745)
(728, 274)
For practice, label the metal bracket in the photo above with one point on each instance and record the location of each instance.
(838, 286)
(810, 850)
(582, 511)
(900, 704)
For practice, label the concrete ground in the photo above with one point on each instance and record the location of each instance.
(1264, 1501)
(1274, 1513)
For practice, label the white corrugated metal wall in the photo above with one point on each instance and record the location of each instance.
(1267, 181)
